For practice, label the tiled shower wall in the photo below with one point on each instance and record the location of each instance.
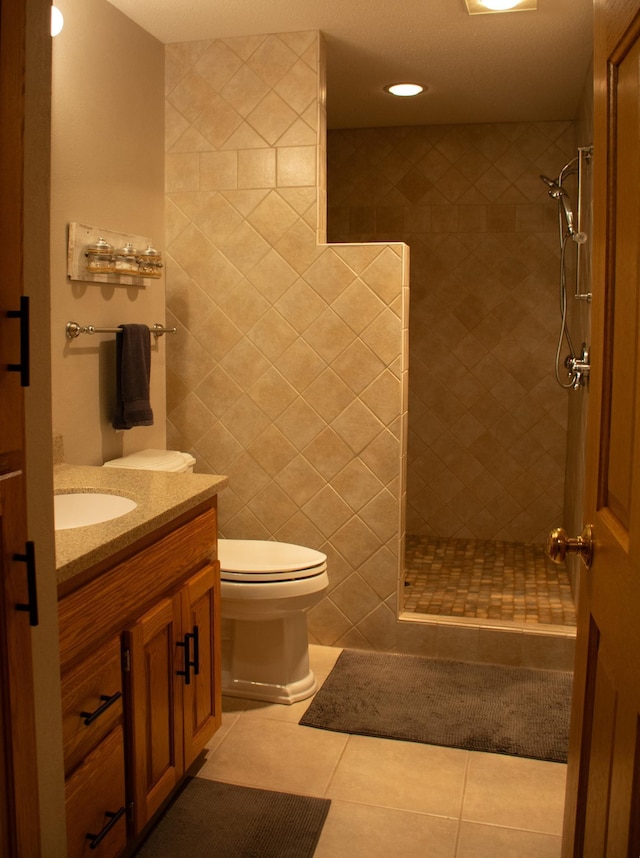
(487, 421)
(288, 369)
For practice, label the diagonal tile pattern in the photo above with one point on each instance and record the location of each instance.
(288, 372)
(487, 426)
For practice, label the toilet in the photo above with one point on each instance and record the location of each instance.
(155, 460)
(266, 590)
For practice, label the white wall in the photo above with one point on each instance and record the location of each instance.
(107, 170)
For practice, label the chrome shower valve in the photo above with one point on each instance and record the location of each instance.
(578, 368)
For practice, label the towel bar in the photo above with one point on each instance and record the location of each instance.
(73, 330)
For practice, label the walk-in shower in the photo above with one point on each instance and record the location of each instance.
(571, 236)
(487, 423)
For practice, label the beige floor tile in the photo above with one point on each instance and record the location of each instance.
(355, 830)
(402, 775)
(482, 841)
(515, 792)
(231, 711)
(277, 755)
(322, 660)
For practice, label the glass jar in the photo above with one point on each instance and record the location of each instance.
(126, 259)
(149, 262)
(100, 257)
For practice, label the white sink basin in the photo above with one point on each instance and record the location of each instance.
(78, 509)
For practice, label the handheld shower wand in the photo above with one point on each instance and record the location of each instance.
(557, 192)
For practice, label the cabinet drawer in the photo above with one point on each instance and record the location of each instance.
(91, 702)
(95, 802)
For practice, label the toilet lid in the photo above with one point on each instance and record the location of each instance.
(154, 460)
(256, 559)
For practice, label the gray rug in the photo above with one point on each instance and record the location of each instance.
(522, 712)
(209, 818)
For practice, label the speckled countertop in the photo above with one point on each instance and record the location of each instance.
(160, 496)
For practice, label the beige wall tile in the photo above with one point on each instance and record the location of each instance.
(256, 168)
(467, 189)
(266, 365)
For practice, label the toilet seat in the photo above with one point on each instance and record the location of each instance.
(255, 561)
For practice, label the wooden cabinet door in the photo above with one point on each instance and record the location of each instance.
(155, 708)
(201, 694)
(603, 779)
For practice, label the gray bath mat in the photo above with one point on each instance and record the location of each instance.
(522, 712)
(209, 818)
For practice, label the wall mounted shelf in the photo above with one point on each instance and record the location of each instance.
(97, 255)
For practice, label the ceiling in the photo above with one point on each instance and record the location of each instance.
(506, 67)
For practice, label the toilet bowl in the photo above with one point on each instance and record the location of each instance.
(266, 589)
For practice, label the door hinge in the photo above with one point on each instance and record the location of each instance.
(126, 660)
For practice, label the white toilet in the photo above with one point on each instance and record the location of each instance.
(266, 589)
(155, 460)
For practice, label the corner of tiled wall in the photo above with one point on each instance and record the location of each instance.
(289, 368)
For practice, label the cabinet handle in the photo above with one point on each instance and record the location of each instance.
(112, 819)
(190, 662)
(90, 717)
(23, 366)
(196, 650)
(29, 557)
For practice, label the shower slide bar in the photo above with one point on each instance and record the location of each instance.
(73, 330)
(584, 156)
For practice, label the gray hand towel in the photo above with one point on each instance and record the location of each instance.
(133, 365)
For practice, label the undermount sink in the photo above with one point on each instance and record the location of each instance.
(78, 509)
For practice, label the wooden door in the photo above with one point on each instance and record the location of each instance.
(19, 820)
(201, 695)
(155, 708)
(602, 815)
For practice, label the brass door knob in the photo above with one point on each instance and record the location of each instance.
(559, 545)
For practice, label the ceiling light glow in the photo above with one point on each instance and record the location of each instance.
(404, 90)
(500, 5)
(57, 21)
(487, 7)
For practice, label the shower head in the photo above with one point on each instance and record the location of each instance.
(557, 192)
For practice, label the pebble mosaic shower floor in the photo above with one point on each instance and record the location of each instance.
(481, 579)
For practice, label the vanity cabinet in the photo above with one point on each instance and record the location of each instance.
(171, 656)
(140, 656)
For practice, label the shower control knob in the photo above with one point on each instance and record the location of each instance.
(559, 545)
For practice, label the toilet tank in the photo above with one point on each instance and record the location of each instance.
(155, 460)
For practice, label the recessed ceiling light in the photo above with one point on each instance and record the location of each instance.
(404, 89)
(485, 7)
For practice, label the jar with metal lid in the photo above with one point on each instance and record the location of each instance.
(149, 262)
(100, 257)
(126, 262)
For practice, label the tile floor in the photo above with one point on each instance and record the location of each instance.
(388, 797)
(486, 579)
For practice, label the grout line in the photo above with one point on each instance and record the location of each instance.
(335, 768)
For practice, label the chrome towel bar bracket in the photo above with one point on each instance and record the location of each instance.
(73, 330)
